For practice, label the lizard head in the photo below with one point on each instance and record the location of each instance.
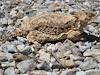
(83, 17)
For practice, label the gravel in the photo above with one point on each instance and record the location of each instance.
(19, 57)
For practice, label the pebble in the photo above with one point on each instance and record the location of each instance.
(51, 47)
(3, 57)
(4, 21)
(10, 71)
(89, 64)
(27, 1)
(8, 64)
(27, 50)
(55, 6)
(26, 65)
(43, 56)
(97, 19)
(20, 47)
(13, 13)
(68, 63)
(9, 48)
(89, 29)
(20, 57)
(10, 22)
(44, 66)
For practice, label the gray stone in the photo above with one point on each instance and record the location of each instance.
(97, 58)
(61, 46)
(10, 71)
(4, 21)
(26, 65)
(27, 50)
(51, 47)
(65, 72)
(77, 63)
(21, 39)
(31, 12)
(89, 29)
(91, 52)
(10, 29)
(98, 19)
(20, 14)
(88, 64)
(86, 3)
(93, 72)
(10, 22)
(1, 72)
(80, 73)
(68, 72)
(44, 66)
(39, 72)
(20, 47)
(8, 64)
(27, 1)
(18, 22)
(67, 0)
(44, 56)
(6, 57)
(83, 46)
(9, 48)
(13, 13)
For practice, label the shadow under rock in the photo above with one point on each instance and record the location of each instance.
(90, 38)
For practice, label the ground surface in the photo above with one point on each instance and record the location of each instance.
(19, 57)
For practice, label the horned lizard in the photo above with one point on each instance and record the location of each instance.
(52, 27)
